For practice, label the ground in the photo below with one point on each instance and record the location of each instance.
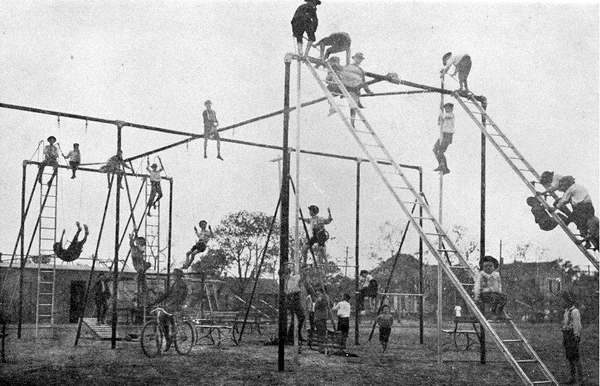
(57, 361)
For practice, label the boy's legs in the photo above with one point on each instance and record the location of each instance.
(74, 165)
(464, 68)
(206, 135)
(216, 135)
(159, 194)
(582, 212)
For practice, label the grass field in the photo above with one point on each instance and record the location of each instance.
(58, 362)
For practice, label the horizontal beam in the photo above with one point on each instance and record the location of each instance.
(84, 169)
(397, 93)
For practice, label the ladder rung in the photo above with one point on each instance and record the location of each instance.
(511, 340)
(526, 361)
(460, 267)
(45, 238)
(45, 304)
(46, 282)
(519, 158)
(434, 234)
(446, 250)
(467, 284)
(525, 170)
(412, 202)
(541, 382)
(363, 131)
(46, 293)
(423, 218)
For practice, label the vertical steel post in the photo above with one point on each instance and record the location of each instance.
(356, 256)
(285, 216)
(421, 261)
(113, 337)
(22, 236)
(170, 232)
(482, 222)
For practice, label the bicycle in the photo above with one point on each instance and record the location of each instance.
(152, 337)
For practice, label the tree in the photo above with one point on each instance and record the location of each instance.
(212, 264)
(242, 236)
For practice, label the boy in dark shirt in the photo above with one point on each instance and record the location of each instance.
(173, 300)
(305, 20)
(209, 117)
(73, 251)
(385, 321)
(321, 316)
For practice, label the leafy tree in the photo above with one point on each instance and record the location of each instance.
(242, 236)
(212, 264)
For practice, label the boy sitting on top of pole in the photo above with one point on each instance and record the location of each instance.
(305, 20)
(319, 234)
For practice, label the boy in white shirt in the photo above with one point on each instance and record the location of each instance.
(200, 246)
(446, 123)
(488, 288)
(50, 158)
(74, 158)
(343, 309)
(580, 201)
(155, 190)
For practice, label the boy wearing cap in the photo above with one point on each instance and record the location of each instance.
(337, 42)
(446, 123)
(305, 20)
(210, 128)
(571, 330)
(319, 234)
(462, 65)
(50, 158)
(488, 288)
(200, 246)
(155, 190)
(115, 164)
(354, 80)
(74, 158)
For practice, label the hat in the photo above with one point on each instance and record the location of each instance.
(446, 56)
(51, 138)
(202, 221)
(451, 105)
(532, 201)
(317, 2)
(358, 55)
(140, 239)
(177, 272)
(490, 259)
(207, 102)
(75, 144)
(568, 297)
(154, 166)
(565, 182)
(546, 177)
(314, 208)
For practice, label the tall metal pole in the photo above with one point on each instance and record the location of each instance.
(421, 262)
(295, 321)
(439, 266)
(22, 237)
(113, 337)
(482, 348)
(285, 216)
(356, 258)
(170, 232)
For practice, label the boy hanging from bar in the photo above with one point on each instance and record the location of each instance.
(446, 123)
(337, 42)
(74, 158)
(74, 249)
(115, 164)
(319, 234)
(203, 236)
(50, 158)
(462, 65)
(155, 189)
(138, 258)
(305, 20)
(210, 128)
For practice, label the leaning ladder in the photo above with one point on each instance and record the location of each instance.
(152, 231)
(405, 194)
(46, 276)
(517, 162)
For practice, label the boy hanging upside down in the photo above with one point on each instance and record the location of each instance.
(319, 234)
(73, 251)
(200, 246)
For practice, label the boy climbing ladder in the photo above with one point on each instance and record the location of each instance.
(155, 190)
(319, 234)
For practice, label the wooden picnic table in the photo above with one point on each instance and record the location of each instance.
(460, 332)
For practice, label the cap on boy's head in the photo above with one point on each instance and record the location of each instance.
(51, 138)
(202, 222)
(154, 166)
(347, 297)
(569, 297)
(384, 307)
(364, 272)
(315, 2)
(546, 177)
(75, 145)
(177, 272)
(140, 239)
(532, 201)
(207, 102)
(490, 259)
(313, 208)
(448, 105)
(358, 56)
(565, 182)
(446, 56)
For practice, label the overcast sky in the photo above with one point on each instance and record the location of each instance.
(156, 62)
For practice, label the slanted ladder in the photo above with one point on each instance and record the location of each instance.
(405, 194)
(152, 232)
(517, 162)
(46, 276)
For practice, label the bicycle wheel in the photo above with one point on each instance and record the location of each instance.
(184, 340)
(151, 339)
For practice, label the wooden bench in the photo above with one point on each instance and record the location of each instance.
(466, 333)
(210, 327)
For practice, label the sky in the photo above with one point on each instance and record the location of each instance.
(156, 62)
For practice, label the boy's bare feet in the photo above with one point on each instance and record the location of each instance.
(78, 225)
(85, 229)
(219, 157)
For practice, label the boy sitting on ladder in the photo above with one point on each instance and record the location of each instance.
(200, 246)
(319, 234)
(155, 190)
(73, 251)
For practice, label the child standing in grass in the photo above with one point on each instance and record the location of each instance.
(571, 329)
(385, 321)
(321, 316)
(343, 309)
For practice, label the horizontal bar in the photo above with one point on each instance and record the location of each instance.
(94, 170)
(396, 93)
